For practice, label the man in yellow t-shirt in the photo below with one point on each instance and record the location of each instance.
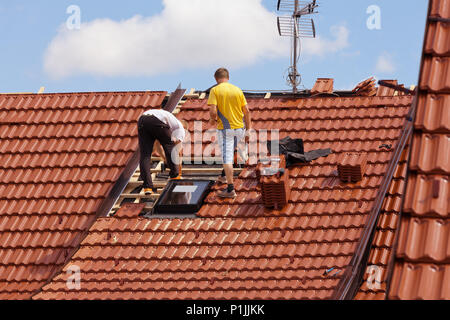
(229, 110)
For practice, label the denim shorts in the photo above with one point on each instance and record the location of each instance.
(228, 140)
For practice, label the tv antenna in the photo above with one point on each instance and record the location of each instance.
(297, 25)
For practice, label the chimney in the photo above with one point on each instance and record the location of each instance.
(352, 166)
(323, 85)
(385, 91)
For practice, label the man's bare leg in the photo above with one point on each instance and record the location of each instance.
(229, 192)
(229, 173)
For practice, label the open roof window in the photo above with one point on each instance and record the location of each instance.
(182, 197)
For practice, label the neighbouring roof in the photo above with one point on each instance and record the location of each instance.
(422, 264)
(238, 249)
(60, 157)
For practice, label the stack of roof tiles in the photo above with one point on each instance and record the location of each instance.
(422, 265)
(60, 155)
(274, 183)
(366, 88)
(351, 166)
(238, 249)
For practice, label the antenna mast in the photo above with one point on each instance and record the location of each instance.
(296, 26)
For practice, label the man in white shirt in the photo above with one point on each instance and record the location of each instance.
(163, 127)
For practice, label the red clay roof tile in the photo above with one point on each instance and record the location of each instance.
(419, 200)
(435, 76)
(424, 240)
(440, 8)
(430, 153)
(420, 281)
(437, 40)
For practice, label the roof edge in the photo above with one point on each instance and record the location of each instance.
(80, 93)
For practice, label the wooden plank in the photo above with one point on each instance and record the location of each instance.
(193, 160)
(191, 170)
(133, 185)
(157, 169)
(210, 170)
(139, 196)
(191, 94)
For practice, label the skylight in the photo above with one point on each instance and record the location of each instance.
(183, 197)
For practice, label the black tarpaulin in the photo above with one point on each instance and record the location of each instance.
(294, 152)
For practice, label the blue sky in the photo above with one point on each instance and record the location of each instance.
(28, 27)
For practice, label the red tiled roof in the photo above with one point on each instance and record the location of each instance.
(238, 249)
(358, 123)
(423, 256)
(60, 156)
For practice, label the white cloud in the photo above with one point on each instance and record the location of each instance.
(321, 46)
(385, 63)
(186, 34)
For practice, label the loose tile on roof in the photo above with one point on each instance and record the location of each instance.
(60, 156)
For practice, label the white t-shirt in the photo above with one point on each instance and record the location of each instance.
(175, 126)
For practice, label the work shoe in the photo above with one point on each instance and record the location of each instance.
(222, 179)
(225, 194)
(148, 191)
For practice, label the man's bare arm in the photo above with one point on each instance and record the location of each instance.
(213, 114)
(247, 118)
(160, 150)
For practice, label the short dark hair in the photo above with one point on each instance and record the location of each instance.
(222, 73)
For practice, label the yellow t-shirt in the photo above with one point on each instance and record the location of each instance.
(230, 101)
